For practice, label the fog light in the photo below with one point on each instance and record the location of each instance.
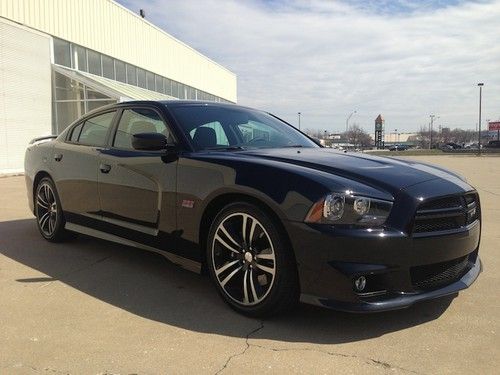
(360, 283)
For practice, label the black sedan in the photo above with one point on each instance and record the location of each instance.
(270, 215)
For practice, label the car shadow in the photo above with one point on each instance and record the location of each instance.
(147, 285)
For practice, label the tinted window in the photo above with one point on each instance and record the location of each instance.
(75, 133)
(95, 129)
(218, 130)
(139, 120)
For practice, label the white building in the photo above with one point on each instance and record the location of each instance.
(62, 58)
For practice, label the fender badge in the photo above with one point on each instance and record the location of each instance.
(186, 203)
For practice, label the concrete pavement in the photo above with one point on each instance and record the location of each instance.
(92, 307)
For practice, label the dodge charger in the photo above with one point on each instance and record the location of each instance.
(270, 215)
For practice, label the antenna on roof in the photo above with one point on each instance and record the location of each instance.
(142, 13)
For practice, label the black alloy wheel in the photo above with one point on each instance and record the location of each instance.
(249, 261)
(48, 212)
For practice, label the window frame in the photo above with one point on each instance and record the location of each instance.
(116, 124)
(85, 119)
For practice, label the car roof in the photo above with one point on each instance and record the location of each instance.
(178, 103)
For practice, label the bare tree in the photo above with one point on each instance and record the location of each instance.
(358, 137)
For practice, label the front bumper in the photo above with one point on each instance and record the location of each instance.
(329, 260)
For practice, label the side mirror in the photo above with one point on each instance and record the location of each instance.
(149, 141)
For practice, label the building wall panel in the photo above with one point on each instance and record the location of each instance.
(25, 92)
(107, 27)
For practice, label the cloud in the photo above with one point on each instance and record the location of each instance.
(404, 59)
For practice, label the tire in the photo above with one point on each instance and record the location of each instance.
(48, 211)
(254, 270)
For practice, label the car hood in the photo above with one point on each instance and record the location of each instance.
(387, 173)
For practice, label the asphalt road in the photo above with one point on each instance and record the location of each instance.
(92, 307)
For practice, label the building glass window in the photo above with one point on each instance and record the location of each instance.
(79, 58)
(67, 89)
(150, 81)
(120, 71)
(72, 100)
(94, 59)
(167, 86)
(62, 53)
(67, 112)
(108, 68)
(92, 94)
(141, 78)
(175, 89)
(94, 104)
(131, 75)
(182, 89)
(159, 83)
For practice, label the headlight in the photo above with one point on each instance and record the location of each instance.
(346, 208)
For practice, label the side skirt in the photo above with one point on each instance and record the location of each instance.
(185, 263)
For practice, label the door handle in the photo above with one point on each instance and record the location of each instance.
(105, 168)
(58, 157)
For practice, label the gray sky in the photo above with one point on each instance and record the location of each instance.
(404, 59)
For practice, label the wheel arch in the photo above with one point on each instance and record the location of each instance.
(219, 202)
(38, 177)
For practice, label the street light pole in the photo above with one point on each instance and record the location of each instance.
(298, 113)
(430, 131)
(479, 121)
(347, 121)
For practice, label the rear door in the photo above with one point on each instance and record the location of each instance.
(76, 164)
(137, 188)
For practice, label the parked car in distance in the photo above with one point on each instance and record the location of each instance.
(493, 144)
(269, 215)
(398, 148)
(453, 145)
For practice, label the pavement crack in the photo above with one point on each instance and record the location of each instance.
(247, 346)
(367, 360)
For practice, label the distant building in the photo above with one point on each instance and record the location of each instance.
(395, 137)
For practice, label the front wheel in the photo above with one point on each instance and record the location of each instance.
(250, 263)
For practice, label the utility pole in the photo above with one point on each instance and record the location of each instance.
(430, 131)
(479, 122)
(298, 113)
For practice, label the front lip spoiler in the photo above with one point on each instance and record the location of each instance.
(402, 301)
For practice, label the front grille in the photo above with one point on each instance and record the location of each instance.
(439, 274)
(446, 213)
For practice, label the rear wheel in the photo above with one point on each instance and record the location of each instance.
(250, 263)
(48, 211)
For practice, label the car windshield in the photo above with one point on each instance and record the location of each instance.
(224, 128)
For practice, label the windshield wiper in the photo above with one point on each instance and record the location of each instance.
(224, 148)
(292, 146)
